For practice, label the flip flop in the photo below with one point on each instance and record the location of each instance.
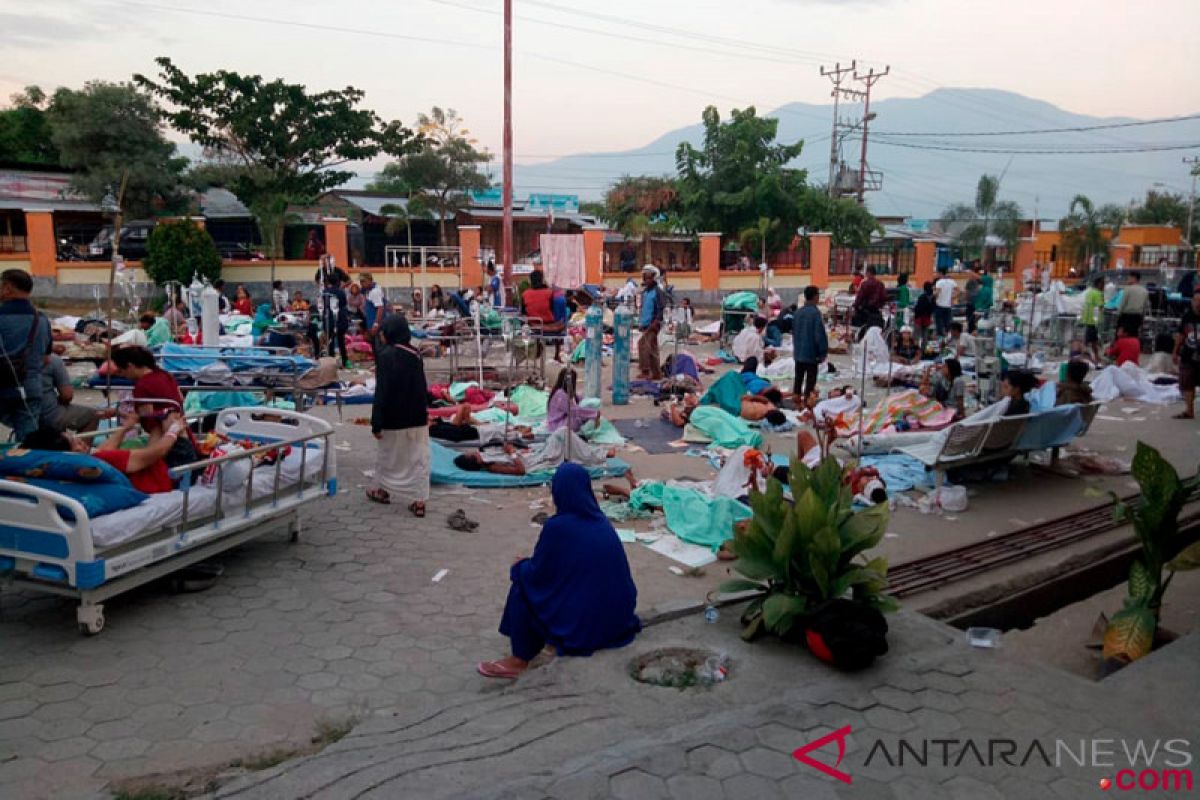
(494, 669)
(379, 496)
(1182, 415)
(459, 521)
(417, 508)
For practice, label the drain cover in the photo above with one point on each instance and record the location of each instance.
(680, 667)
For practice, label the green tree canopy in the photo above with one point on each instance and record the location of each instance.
(178, 250)
(1087, 229)
(442, 172)
(972, 223)
(849, 224)
(738, 176)
(643, 206)
(25, 129)
(1164, 208)
(111, 135)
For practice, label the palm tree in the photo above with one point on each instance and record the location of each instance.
(401, 217)
(759, 233)
(1087, 230)
(972, 224)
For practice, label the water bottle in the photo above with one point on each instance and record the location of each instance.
(715, 670)
(593, 352)
(622, 331)
(711, 614)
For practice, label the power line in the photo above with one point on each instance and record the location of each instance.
(1082, 128)
(1044, 152)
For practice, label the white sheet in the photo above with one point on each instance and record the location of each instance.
(160, 510)
(1131, 382)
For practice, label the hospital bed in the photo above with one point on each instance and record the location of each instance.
(49, 543)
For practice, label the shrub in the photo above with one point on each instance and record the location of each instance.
(178, 250)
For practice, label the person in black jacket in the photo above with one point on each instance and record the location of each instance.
(400, 419)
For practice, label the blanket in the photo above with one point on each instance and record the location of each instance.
(726, 393)
(444, 472)
(709, 423)
(1132, 383)
(928, 412)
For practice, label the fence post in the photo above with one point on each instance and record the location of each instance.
(924, 262)
(39, 239)
(710, 262)
(820, 246)
(471, 267)
(593, 255)
(336, 243)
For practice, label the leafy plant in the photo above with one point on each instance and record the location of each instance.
(178, 250)
(804, 555)
(1155, 519)
(972, 224)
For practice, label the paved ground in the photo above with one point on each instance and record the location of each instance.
(348, 625)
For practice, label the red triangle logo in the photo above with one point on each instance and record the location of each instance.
(801, 754)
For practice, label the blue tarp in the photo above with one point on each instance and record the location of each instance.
(444, 472)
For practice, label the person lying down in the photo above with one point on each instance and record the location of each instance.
(464, 427)
(509, 460)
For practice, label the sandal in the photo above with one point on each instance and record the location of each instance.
(417, 508)
(459, 521)
(379, 496)
(1184, 415)
(494, 669)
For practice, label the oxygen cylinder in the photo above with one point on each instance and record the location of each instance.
(593, 351)
(622, 330)
(210, 325)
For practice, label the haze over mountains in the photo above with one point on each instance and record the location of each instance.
(922, 182)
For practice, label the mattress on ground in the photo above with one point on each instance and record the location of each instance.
(160, 510)
(444, 472)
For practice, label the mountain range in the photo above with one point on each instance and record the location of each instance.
(920, 182)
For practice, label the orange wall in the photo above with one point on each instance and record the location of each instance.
(336, 243)
(1151, 235)
(593, 255)
(468, 242)
(820, 246)
(710, 261)
(43, 252)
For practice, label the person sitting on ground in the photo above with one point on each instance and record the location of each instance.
(575, 592)
(957, 342)
(1073, 389)
(356, 301)
(1015, 386)
(947, 385)
(146, 467)
(298, 302)
(279, 298)
(59, 413)
(563, 406)
(749, 342)
(906, 351)
(1162, 360)
(242, 304)
(1126, 348)
(546, 456)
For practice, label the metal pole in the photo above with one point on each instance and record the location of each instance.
(506, 264)
(1187, 234)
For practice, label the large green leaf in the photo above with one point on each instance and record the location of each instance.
(810, 512)
(1142, 583)
(736, 585)
(820, 575)
(855, 577)
(864, 530)
(786, 543)
(780, 611)
(1130, 634)
(1188, 559)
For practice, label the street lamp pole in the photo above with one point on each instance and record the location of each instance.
(507, 232)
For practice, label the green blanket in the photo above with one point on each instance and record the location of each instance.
(531, 402)
(159, 333)
(605, 433)
(648, 494)
(741, 301)
(458, 391)
(726, 392)
(723, 428)
(697, 519)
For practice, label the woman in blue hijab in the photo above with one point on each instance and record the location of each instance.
(575, 592)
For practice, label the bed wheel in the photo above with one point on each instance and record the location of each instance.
(91, 619)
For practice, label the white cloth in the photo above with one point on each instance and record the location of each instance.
(1132, 383)
(563, 259)
(944, 292)
(831, 408)
(554, 452)
(734, 478)
(402, 464)
(748, 343)
(375, 296)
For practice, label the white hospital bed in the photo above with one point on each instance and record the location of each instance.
(93, 559)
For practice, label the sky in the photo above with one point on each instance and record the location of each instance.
(610, 76)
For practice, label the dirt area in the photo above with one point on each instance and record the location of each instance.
(1060, 639)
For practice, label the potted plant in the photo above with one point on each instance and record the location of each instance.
(807, 558)
(1131, 631)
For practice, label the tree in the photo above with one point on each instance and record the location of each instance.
(178, 250)
(279, 143)
(848, 223)
(402, 217)
(594, 208)
(111, 135)
(971, 225)
(1165, 208)
(739, 175)
(1087, 229)
(443, 171)
(641, 207)
(25, 129)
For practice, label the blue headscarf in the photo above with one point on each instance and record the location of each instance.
(577, 582)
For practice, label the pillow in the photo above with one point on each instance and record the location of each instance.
(60, 466)
(96, 498)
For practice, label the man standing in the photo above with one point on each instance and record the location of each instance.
(649, 323)
(869, 301)
(24, 344)
(1089, 316)
(375, 306)
(1132, 309)
(493, 285)
(809, 343)
(943, 310)
(1187, 356)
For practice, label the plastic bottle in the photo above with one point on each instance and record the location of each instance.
(593, 352)
(210, 324)
(622, 331)
(193, 296)
(711, 614)
(715, 669)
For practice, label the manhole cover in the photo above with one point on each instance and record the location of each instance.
(680, 667)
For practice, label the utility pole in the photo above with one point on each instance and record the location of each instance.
(506, 249)
(870, 79)
(835, 75)
(1194, 161)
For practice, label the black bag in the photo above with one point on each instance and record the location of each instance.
(15, 366)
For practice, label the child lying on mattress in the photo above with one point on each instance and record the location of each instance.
(464, 427)
(144, 466)
(547, 456)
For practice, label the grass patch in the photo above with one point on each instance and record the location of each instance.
(333, 730)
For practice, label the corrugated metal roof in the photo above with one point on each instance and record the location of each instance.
(218, 203)
(11, 204)
(373, 203)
